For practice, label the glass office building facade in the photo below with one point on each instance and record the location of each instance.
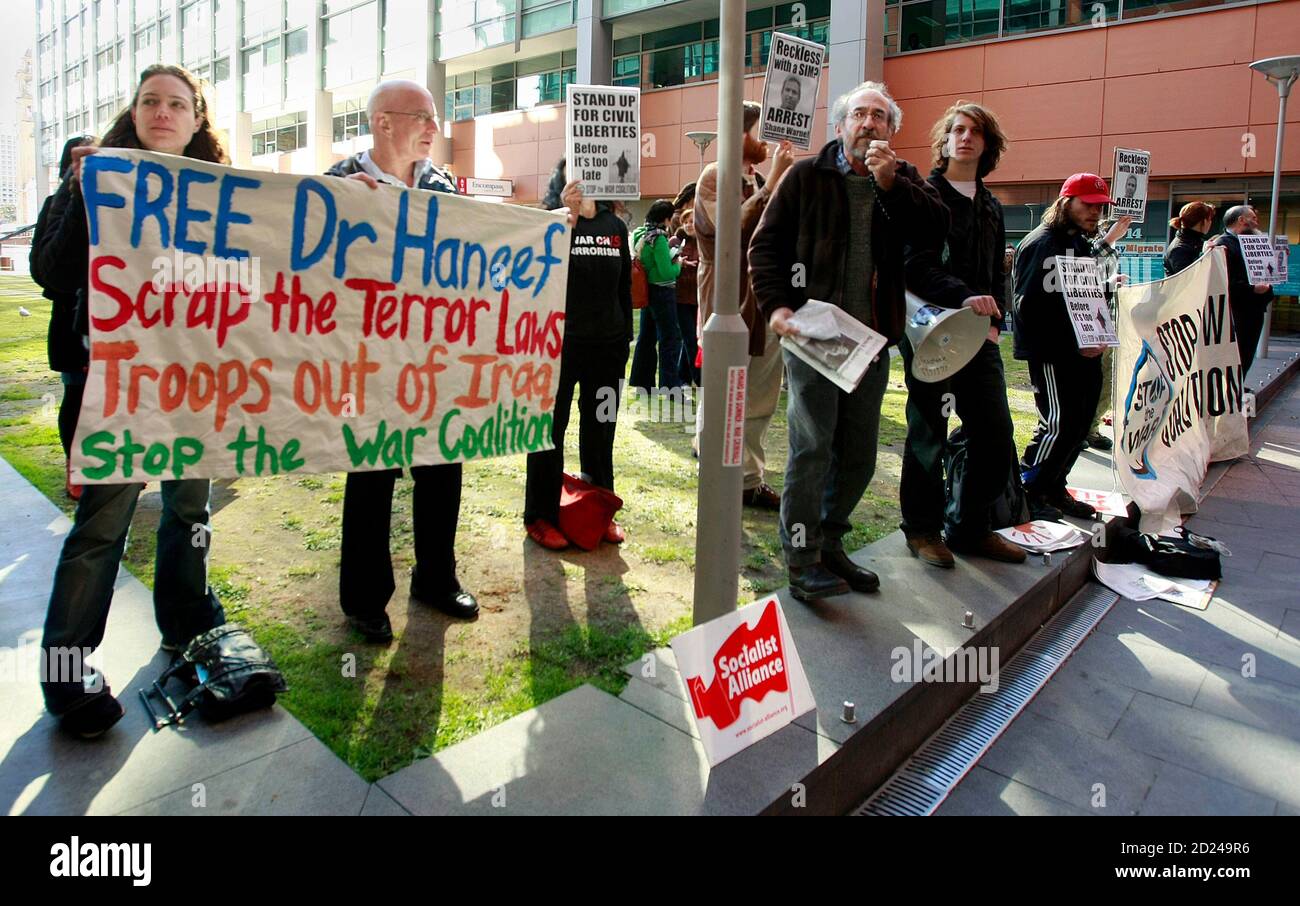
(290, 78)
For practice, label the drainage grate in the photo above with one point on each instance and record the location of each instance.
(926, 779)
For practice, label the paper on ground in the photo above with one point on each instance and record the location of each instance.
(1135, 582)
(1110, 503)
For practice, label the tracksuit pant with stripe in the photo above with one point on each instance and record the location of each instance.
(1066, 393)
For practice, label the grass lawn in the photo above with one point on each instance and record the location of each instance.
(549, 622)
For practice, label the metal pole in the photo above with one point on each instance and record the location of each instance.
(725, 340)
(1283, 90)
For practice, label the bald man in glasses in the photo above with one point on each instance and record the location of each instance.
(404, 123)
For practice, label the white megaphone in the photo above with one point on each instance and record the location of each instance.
(943, 339)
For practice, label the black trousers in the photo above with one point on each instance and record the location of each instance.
(978, 394)
(366, 572)
(598, 367)
(69, 412)
(1249, 322)
(1066, 393)
(687, 315)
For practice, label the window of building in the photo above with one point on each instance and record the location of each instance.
(689, 53)
(262, 18)
(541, 16)
(280, 134)
(196, 33)
(298, 79)
(511, 86)
(298, 13)
(933, 23)
(350, 120)
(404, 36)
(223, 28)
(263, 80)
(352, 45)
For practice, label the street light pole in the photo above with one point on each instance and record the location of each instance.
(702, 141)
(1282, 73)
(725, 340)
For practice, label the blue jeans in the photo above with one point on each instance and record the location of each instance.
(184, 605)
(658, 322)
(833, 438)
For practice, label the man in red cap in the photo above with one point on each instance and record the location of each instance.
(1067, 379)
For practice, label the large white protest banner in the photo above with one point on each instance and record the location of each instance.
(1178, 389)
(1261, 259)
(603, 140)
(249, 323)
(794, 70)
(1085, 301)
(1128, 191)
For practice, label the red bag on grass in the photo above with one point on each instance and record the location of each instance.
(586, 511)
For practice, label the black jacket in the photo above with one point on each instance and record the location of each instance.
(1184, 249)
(1043, 329)
(64, 345)
(60, 262)
(598, 303)
(968, 260)
(1241, 293)
(807, 223)
(435, 180)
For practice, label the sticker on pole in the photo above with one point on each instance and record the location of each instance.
(603, 140)
(1261, 259)
(743, 678)
(1129, 195)
(1086, 302)
(794, 71)
(733, 433)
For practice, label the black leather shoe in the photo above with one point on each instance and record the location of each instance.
(459, 603)
(1039, 508)
(375, 629)
(812, 583)
(94, 717)
(859, 579)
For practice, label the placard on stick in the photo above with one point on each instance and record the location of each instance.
(1261, 259)
(1086, 302)
(1128, 189)
(794, 69)
(603, 140)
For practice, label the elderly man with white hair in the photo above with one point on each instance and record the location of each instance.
(842, 219)
(404, 123)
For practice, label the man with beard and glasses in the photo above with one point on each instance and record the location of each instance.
(842, 220)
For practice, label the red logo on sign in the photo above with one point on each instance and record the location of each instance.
(749, 664)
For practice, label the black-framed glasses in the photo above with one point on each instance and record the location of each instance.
(424, 118)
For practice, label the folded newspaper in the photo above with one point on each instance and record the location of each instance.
(837, 345)
(1041, 536)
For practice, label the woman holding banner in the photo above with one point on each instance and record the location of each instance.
(597, 331)
(168, 114)
(1192, 226)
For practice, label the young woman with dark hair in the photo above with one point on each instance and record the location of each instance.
(168, 114)
(650, 245)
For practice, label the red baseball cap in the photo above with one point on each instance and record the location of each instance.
(1087, 187)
